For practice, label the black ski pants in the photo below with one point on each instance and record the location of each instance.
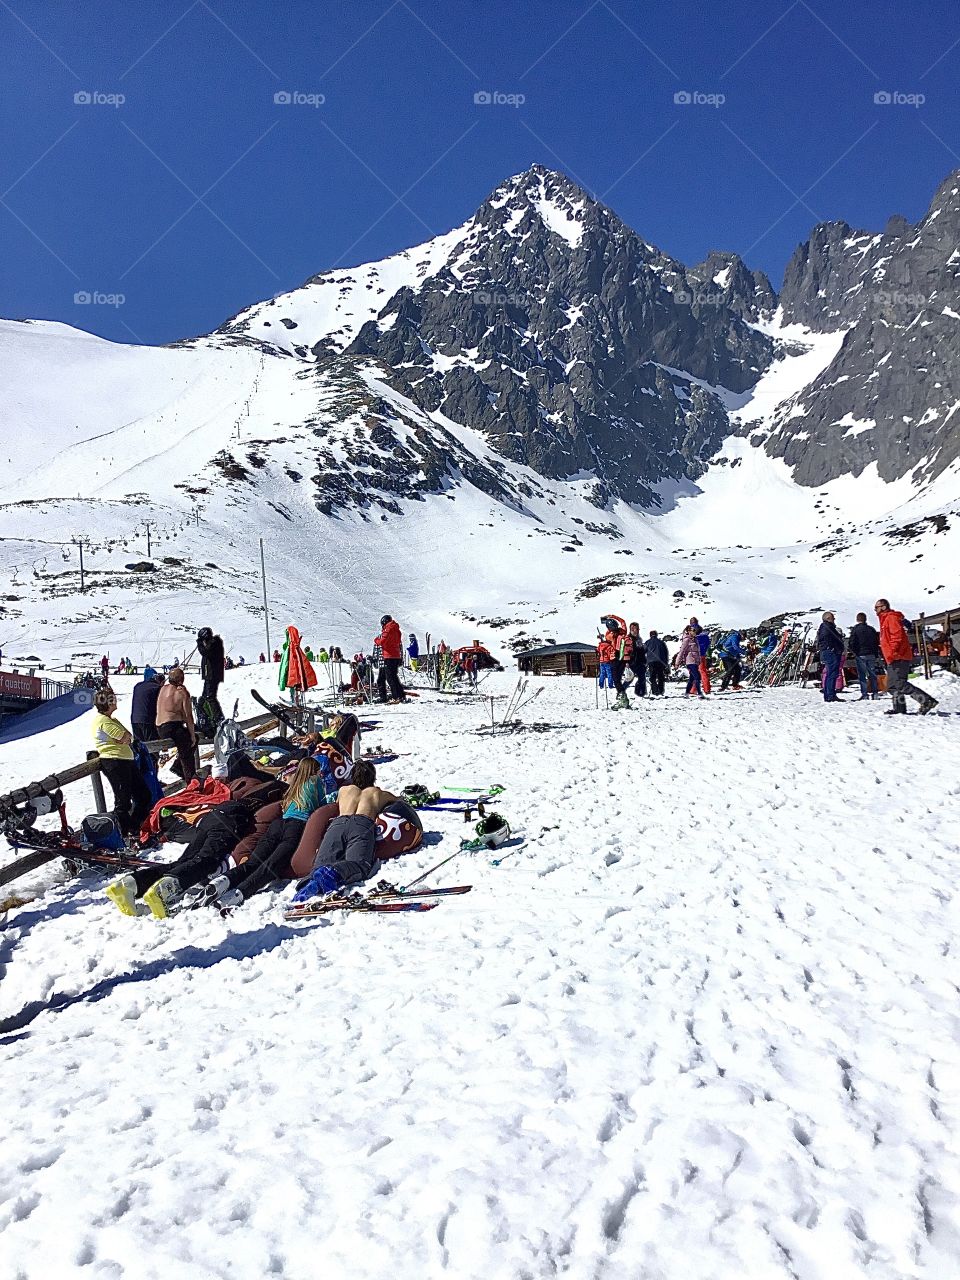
(658, 677)
(639, 670)
(731, 672)
(388, 676)
(131, 795)
(898, 686)
(144, 732)
(203, 857)
(179, 735)
(617, 668)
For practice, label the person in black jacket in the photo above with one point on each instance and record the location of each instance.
(143, 710)
(638, 661)
(212, 665)
(658, 660)
(864, 644)
(832, 648)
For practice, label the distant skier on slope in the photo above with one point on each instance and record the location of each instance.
(898, 655)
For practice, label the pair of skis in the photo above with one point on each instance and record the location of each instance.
(386, 901)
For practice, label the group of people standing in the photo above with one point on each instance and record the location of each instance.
(867, 644)
(621, 648)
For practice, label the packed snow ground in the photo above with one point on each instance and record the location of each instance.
(703, 1022)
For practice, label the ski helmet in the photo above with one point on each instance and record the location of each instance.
(204, 635)
(493, 830)
(385, 619)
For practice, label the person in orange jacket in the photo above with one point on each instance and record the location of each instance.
(390, 642)
(898, 655)
(605, 654)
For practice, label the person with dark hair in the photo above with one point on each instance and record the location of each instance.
(143, 709)
(131, 795)
(658, 662)
(390, 644)
(212, 665)
(898, 655)
(638, 661)
(347, 853)
(832, 647)
(864, 643)
(703, 643)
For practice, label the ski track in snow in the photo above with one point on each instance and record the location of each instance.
(703, 1023)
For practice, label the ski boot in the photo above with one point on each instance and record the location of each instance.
(123, 894)
(162, 895)
(927, 705)
(622, 703)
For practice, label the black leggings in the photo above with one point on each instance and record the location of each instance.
(388, 676)
(617, 668)
(132, 800)
(270, 859)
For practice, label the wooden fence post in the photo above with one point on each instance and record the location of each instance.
(96, 781)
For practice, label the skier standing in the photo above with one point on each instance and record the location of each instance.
(658, 661)
(864, 643)
(832, 648)
(105, 667)
(703, 643)
(390, 643)
(212, 666)
(605, 656)
(730, 655)
(413, 651)
(688, 655)
(131, 796)
(619, 639)
(143, 709)
(638, 661)
(898, 655)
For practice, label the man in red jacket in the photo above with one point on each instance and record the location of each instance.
(390, 642)
(898, 655)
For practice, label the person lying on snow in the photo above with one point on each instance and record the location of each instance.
(271, 857)
(347, 853)
(216, 836)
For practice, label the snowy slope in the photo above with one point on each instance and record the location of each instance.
(696, 1025)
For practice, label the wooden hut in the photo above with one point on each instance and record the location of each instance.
(559, 660)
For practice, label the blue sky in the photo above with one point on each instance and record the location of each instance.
(198, 194)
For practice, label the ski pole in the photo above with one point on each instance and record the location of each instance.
(420, 879)
(497, 861)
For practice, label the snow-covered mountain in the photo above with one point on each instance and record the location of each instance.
(404, 434)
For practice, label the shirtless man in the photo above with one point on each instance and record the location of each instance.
(175, 721)
(347, 853)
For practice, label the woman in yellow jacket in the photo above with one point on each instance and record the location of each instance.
(131, 796)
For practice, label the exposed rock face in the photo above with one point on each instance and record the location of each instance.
(567, 343)
(567, 340)
(892, 395)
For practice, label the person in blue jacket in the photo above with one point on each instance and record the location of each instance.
(832, 647)
(731, 655)
(413, 651)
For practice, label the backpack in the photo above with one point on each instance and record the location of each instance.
(100, 831)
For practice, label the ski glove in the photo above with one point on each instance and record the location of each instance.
(323, 880)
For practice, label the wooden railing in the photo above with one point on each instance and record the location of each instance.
(90, 768)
